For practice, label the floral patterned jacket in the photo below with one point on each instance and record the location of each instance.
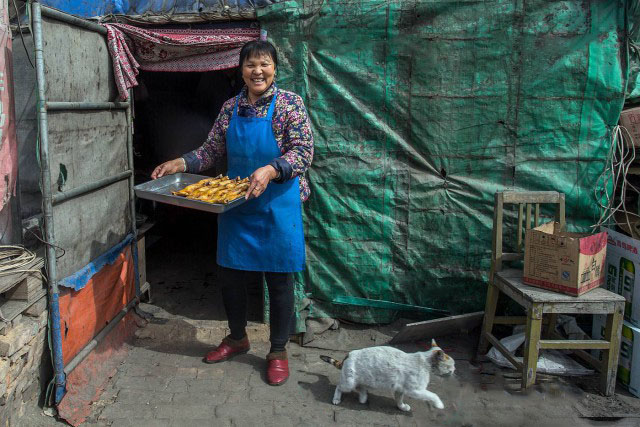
(291, 128)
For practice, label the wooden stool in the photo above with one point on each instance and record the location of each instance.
(538, 302)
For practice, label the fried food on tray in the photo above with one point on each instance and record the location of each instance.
(219, 190)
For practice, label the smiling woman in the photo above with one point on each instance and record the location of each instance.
(259, 62)
(266, 134)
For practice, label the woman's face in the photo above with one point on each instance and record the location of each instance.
(257, 73)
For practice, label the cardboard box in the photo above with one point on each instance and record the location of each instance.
(623, 272)
(630, 119)
(570, 263)
(628, 367)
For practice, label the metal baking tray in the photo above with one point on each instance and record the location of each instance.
(160, 190)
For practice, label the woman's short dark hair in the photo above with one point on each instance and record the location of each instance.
(258, 48)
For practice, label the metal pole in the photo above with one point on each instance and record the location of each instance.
(47, 206)
(132, 193)
(72, 20)
(61, 197)
(86, 105)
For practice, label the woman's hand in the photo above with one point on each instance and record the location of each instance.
(168, 168)
(259, 180)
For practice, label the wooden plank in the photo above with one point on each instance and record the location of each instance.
(589, 359)
(142, 261)
(527, 221)
(505, 287)
(496, 244)
(536, 217)
(8, 281)
(493, 293)
(512, 278)
(502, 349)
(28, 288)
(531, 345)
(10, 309)
(574, 344)
(520, 219)
(612, 333)
(580, 308)
(531, 197)
(438, 327)
(561, 213)
(144, 228)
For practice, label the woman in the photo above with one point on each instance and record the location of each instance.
(266, 134)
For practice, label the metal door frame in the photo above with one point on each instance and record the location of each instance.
(49, 200)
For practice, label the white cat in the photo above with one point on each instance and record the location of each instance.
(387, 368)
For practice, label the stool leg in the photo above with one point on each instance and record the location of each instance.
(487, 322)
(612, 333)
(532, 338)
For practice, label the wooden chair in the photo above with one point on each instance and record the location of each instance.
(541, 304)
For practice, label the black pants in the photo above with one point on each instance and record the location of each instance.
(234, 296)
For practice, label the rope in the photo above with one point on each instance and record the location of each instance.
(613, 179)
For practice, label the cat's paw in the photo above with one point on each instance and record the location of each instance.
(438, 404)
(404, 407)
(335, 401)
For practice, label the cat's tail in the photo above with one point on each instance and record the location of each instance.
(334, 362)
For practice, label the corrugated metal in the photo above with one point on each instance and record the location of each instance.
(162, 10)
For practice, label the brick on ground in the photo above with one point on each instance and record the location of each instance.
(129, 396)
(215, 398)
(127, 410)
(185, 411)
(255, 410)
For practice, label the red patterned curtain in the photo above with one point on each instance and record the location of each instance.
(132, 48)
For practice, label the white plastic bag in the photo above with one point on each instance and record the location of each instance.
(549, 361)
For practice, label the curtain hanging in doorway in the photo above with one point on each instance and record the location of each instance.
(185, 50)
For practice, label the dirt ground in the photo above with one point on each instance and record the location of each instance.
(163, 381)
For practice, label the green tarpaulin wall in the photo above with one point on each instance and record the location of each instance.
(421, 111)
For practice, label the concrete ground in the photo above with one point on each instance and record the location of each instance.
(164, 382)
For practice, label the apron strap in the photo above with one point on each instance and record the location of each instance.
(235, 108)
(272, 106)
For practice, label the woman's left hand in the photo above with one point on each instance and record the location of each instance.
(259, 180)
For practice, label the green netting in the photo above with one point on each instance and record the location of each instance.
(421, 110)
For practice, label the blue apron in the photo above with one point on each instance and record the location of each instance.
(265, 233)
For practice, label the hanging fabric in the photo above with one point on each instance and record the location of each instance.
(182, 50)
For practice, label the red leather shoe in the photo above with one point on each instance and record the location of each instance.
(227, 349)
(277, 368)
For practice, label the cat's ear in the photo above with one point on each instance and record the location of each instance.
(433, 343)
(439, 354)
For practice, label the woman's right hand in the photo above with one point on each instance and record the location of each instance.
(168, 168)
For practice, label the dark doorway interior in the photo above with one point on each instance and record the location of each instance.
(174, 113)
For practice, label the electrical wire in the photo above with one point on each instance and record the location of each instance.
(13, 259)
(612, 184)
(47, 243)
(21, 36)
